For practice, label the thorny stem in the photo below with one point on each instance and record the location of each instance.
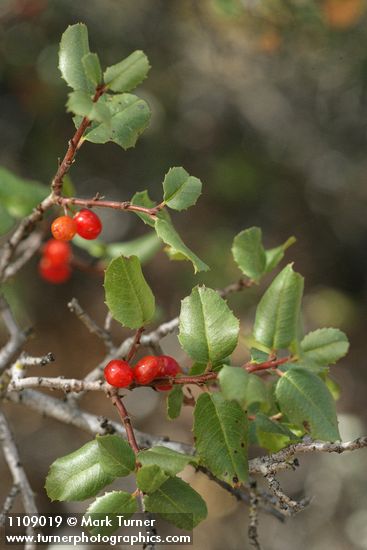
(96, 202)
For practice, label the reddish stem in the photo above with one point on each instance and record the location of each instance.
(126, 205)
(272, 364)
(135, 345)
(125, 418)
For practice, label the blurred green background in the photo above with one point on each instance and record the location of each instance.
(265, 101)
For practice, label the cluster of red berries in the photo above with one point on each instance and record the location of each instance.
(120, 374)
(54, 266)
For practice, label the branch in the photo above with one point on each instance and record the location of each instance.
(26, 249)
(287, 504)
(91, 325)
(8, 504)
(125, 418)
(15, 466)
(17, 335)
(253, 534)
(115, 205)
(66, 385)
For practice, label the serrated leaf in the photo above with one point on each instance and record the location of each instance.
(128, 73)
(208, 329)
(170, 461)
(80, 103)
(130, 115)
(249, 254)
(174, 402)
(117, 457)
(275, 255)
(272, 435)
(150, 478)
(178, 503)
(78, 475)
(220, 429)
(18, 195)
(128, 295)
(325, 346)
(169, 235)
(110, 505)
(180, 189)
(74, 46)
(238, 385)
(92, 68)
(304, 398)
(277, 314)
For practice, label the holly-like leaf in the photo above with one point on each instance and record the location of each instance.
(325, 346)
(128, 73)
(78, 475)
(180, 189)
(169, 235)
(277, 314)
(129, 116)
(272, 435)
(19, 196)
(208, 328)
(238, 385)
(150, 478)
(249, 253)
(174, 402)
(178, 503)
(128, 295)
(220, 429)
(110, 505)
(168, 460)
(275, 255)
(92, 68)
(80, 103)
(117, 457)
(305, 400)
(74, 46)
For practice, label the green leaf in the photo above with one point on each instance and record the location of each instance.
(249, 253)
(19, 196)
(325, 346)
(117, 457)
(275, 255)
(174, 402)
(220, 429)
(74, 46)
(110, 505)
(277, 314)
(170, 461)
(169, 235)
(129, 116)
(127, 74)
(128, 295)
(180, 189)
(150, 478)
(78, 475)
(272, 435)
(80, 103)
(178, 503)
(208, 328)
(305, 400)
(238, 385)
(92, 68)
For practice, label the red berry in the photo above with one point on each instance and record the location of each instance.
(88, 224)
(58, 252)
(52, 273)
(167, 367)
(63, 228)
(118, 373)
(146, 369)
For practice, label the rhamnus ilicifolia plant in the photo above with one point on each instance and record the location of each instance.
(281, 399)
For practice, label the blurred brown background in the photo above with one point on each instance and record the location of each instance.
(265, 101)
